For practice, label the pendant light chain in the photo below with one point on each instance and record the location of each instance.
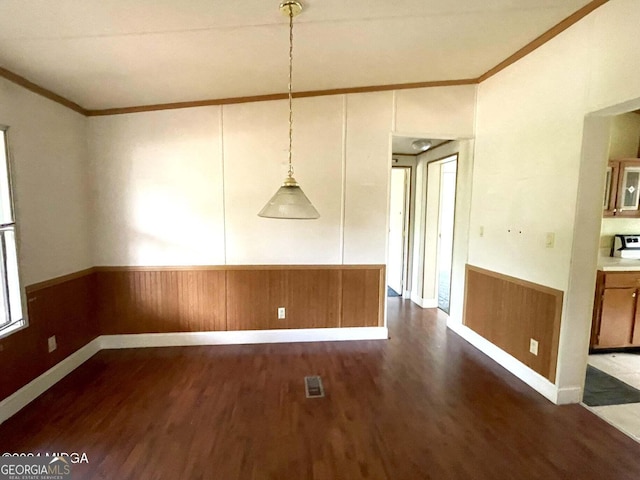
(290, 95)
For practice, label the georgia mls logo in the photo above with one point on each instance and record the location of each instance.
(59, 466)
(35, 468)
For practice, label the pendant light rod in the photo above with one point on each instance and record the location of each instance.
(291, 8)
(290, 174)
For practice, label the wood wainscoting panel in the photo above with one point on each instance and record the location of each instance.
(311, 298)
(63, 307)
(248, 299)
(363, 297)
(509, 312)
(160, 301)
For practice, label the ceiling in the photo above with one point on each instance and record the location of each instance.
(121, 53)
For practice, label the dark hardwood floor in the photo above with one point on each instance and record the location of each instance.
(423, 405)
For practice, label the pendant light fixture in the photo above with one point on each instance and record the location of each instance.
(290, 201)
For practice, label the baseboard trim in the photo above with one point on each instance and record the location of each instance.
(36, 387)
(183, 339)
(424, 302)
(569, 395)
(515, 366)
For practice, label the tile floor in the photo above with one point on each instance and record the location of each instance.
(625, 367)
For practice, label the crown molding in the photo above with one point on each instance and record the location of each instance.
(524, 51)
(29, 85)
(279, 96)
(544, 38)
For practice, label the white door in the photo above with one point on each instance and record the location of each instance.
(397, 211)
(445, 232)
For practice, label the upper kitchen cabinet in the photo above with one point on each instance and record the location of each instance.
(622, 190)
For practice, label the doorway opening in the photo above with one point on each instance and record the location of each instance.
(425, 259)
(612, 380)
(399, 206)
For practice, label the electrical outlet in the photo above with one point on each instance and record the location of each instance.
(52, 343)
(481, 230)
(550, 240)
(533, 346)
(281, 313)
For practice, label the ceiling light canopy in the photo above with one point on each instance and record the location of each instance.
(290, 201)
(421, 145)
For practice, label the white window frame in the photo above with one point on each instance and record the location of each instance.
(6, 291)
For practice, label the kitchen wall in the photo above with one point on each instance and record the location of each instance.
(625, 136)
(624, 143)
(525, 186)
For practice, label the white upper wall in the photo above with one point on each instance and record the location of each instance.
(157, 188)
(184, 186)
(48, 145)
(525, 182)
(437, 112)
(614, 73)
(525, 185)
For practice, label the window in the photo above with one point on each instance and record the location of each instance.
(10, 297)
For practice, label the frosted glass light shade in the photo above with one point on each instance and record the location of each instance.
(289, 202)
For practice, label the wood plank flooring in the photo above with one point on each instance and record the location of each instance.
(423, 405)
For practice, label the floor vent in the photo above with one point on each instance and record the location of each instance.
(313, 387)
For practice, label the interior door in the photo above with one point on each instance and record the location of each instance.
(445, 232)
(397, 214)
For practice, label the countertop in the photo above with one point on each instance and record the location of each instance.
(616, 264)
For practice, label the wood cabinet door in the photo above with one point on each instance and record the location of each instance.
(618, 315)
(628, 194)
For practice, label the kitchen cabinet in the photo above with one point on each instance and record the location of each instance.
(616, 313)
(622, 188)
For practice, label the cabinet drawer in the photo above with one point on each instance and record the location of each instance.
(622, 280)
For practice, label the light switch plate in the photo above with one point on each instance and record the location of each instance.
(550, 240)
